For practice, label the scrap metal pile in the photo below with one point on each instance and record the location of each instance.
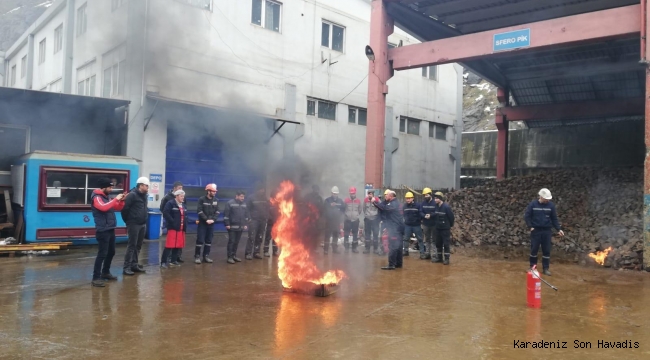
(598, 208)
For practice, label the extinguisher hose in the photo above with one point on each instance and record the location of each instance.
(544, 281)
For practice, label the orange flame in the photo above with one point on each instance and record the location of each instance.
(600, 256)
(294, 264)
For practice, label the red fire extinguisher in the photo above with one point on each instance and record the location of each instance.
(534, 287)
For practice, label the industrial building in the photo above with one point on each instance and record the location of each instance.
(224, 91)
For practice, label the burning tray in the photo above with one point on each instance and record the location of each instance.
(320, 290)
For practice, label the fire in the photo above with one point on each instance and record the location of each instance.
(600, 256)
(294, 264)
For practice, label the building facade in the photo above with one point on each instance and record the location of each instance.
(212, 84)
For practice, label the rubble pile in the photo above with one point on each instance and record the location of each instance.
(598, 208)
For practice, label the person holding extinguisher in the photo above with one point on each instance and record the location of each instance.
(541, 216)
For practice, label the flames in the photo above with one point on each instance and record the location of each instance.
(294, 264)
(600, 256)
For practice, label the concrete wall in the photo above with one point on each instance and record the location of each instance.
(606, 145)
(52, 69)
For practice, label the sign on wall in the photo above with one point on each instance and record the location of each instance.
(155, 178)
(155, 188)
(511, 40)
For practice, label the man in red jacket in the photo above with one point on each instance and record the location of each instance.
(105, 222)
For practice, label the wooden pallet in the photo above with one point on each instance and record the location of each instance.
(34, 247)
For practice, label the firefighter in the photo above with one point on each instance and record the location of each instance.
(105, 222)
(259, 208)
(370, 223)
(169, 197)
(412, 224)
(208, 213)
(444, 221)
(351, 224)
(427, 213)
(393, 223)
(236, 218)
(334, 208)
(540, 217)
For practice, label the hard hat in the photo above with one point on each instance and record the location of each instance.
(335, 190)
(426, 191)
(143, 180)
(545, 193)
(409, 195)
(387, 192)
(353, 190)
(439, 195)
(212, 187)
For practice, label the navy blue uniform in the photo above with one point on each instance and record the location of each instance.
(393, 222)
(444, 221)
(428, 207)
(541, 218)
(412, 225)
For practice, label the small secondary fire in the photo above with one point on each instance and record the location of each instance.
(295, 268)
(600, 256)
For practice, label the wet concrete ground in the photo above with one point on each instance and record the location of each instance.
(473, 309)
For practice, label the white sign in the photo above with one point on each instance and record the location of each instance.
(54, 193)
(155, 188)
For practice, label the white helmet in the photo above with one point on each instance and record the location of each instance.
(545, 193)
(143, 180)
(335, 190)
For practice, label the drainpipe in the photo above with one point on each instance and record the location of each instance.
(644, 7)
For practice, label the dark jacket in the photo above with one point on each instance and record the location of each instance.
(444, 217)
(391, 216)
(207, 209)
(172, 214)
(412, 214)
(167, 198)
(236, 215)
(542, 216)
(428, 207)
(135, 210)
(259, 207)
(104, 210)
(333, 213)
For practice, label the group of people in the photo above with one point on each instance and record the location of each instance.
(430, 222)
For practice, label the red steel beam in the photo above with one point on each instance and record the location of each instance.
(594, 109)
(599, 25)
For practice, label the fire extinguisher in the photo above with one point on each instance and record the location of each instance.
(534, 287)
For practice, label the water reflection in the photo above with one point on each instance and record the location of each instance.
(300, 315)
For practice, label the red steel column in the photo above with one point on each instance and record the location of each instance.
(502, 136)
(381, 25)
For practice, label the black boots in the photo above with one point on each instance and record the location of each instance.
(437, 258)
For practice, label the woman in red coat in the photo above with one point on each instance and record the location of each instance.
(175, 214)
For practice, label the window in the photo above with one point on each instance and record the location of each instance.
(409, 125)
(71, 189)
(438, 131)
(115, 4)
(114, 80)
(332, 36)
(58, 39)
(42, 47)
(56, 86)
(86, 79)
(391, 46)
(82, 20)
(13, 75)
(23, 66)
(321, 108)
(201, 4)
(266, 13)
(430, 72)
(357, 116)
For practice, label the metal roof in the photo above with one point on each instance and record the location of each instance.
(595, 71)
(13, 95)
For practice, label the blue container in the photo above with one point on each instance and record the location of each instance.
(153, 225)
